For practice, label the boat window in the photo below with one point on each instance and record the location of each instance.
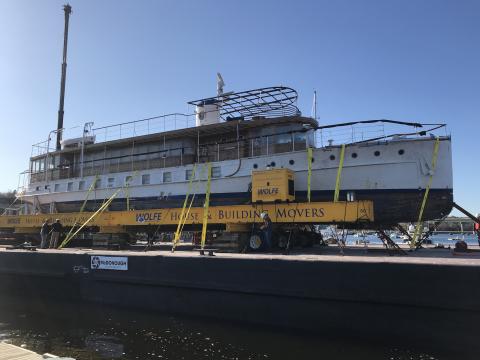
(111, 182)
(145, 179)
(216, 172)
(98, 183)
(376, 153)
(401, 152)
(128, 180)
(167, 177)
(354, 155)
(57, 187)
(281, 143)
(188, 174)
(37, 188)
(81, 185)
(300, 141)
(70, 186)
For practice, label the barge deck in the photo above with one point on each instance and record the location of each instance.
(429, 295)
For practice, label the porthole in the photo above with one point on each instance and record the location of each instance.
(272, 164)
(401, 152)
(354, 155)
(291, 162)
(376, 153)
(255, 166)
(313, 159)
(332, 157)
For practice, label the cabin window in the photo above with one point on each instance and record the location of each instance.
(111, 182)
(167, 177)
(81, 185)
(216, 172)
(56, 188)
(98, 183)
(188, 174)
(145, 179)
(70, 186)
(128, 180)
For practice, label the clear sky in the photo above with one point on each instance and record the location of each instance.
(415, 60)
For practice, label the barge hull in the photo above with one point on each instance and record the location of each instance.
(408, 300)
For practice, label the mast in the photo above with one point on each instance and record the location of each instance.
(68, 10)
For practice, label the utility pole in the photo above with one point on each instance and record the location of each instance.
(68, 10)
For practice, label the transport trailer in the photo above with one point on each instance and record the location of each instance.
(272, 194)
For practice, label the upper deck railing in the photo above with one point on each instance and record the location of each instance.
(120, 131)
(146, 126)
(325, 135)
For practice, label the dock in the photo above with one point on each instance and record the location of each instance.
(13, 352)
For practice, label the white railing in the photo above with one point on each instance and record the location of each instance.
(363, 132)
(144, 127)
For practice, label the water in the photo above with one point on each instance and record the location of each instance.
(443, 239)
(97, 332)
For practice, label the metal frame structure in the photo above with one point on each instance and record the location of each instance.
(269, 102)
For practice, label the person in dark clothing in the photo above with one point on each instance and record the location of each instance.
(44, 231)
(267, 230)
(477, 229)
(57, 230)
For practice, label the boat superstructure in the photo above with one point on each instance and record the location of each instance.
(153, 160)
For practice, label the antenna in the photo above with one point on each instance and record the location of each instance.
(314, 108)
(220, 84)
(68, 10)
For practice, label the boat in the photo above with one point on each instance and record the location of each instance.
(153, 160)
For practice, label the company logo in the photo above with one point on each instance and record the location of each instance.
(268, 191)
(95, 262)
(109, 263)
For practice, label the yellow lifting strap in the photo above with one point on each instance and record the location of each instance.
(207, 203)
(339, 174)
(418, 228)
(90, 189)
(127, 189)
(99, 211)
(182, 214)
(193, 198)
(309, 177)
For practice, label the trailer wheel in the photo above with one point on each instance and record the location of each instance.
(255, 242)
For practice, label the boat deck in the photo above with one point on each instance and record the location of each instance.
(332, 253)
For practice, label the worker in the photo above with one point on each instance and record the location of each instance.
(57, 230)
(477, 229)
(267, 230)
(44, 232)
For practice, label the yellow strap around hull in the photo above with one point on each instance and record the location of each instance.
(339, 174)
(418, 228)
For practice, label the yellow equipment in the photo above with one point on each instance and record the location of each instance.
(273, 185)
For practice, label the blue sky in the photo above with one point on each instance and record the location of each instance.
(407, 60)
